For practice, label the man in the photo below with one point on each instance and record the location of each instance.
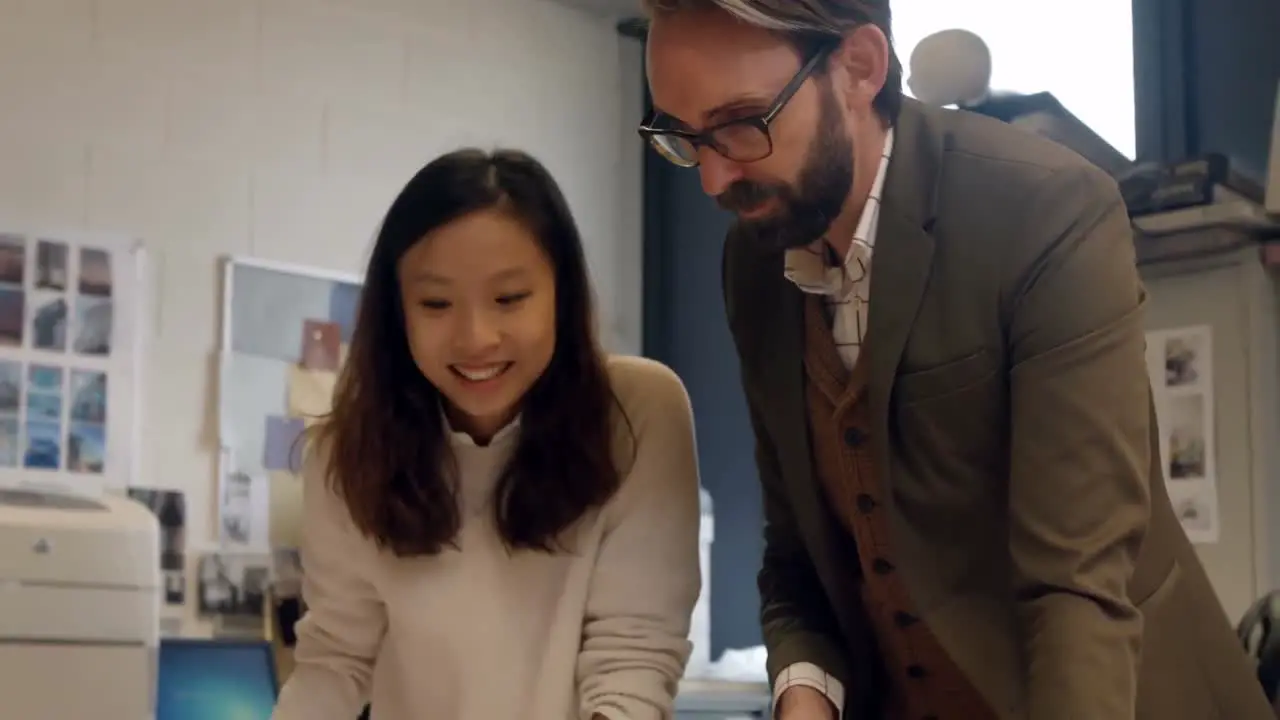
(964, 505)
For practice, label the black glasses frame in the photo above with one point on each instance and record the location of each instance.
(760, 122)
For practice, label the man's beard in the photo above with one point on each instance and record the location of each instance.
(805, 211)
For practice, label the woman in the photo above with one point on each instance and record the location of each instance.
(499, 521)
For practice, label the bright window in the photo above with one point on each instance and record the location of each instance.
(1082, 52)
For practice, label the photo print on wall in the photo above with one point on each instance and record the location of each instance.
(1180, 368)
(67, 361)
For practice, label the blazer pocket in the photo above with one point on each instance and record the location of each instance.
(949, 377)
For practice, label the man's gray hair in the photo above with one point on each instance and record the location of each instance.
(790, 16)
(808, 19)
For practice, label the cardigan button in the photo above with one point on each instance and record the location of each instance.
(882, 566)
(904, 619)
(915, 672)
(866, 503)
(853, 437)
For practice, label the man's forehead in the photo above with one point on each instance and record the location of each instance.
(691, 74)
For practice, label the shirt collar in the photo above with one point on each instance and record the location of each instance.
(812, 267)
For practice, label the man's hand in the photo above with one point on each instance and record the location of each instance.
(801, 702)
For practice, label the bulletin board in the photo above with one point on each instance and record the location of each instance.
(285, 332)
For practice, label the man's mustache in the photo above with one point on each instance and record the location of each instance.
(744, 195)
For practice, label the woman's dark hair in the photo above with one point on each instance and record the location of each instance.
(385, 441)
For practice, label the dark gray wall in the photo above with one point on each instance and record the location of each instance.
(1208, 90)
(685, 328)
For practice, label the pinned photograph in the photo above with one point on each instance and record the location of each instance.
(51, 265)
(13, 259)
(286, 572)
(88, 396)
(44, 378)
(86, 447)
(1195, 515)
(10, 443)
(13, 305)
(93, 325)
(1187, 443)
(49, 322)
(95, 272)
(44, 446)
(233, 584)
(10, 386)
(175, 587)
(1184, 359)
(44, 406)
(170, 509)
(321, 345)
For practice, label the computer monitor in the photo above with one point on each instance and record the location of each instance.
(215, 680)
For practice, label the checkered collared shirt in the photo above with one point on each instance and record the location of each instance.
(847, 284)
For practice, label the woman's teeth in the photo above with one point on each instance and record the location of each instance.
(479, 374)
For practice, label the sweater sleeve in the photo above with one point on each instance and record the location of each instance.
(646, 578)
(340, 634)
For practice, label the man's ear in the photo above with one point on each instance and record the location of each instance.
(860, 65)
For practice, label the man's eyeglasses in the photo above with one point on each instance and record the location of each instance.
(743, 139)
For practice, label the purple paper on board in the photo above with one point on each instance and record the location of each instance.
(282, 450)
(344, 300)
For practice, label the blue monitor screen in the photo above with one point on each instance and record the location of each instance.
(215, 680)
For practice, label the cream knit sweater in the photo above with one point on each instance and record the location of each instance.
(479, 634)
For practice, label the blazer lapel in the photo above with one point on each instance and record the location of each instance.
(902, 261)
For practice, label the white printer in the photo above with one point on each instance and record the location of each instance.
(79, 607)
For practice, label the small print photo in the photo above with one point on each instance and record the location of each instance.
(45, 407)
(44, 446)
(286, 572)
(44, 379)
(86, 447)
(95, 272)
(10, 386)
(93, 325)
(170, 509)
(1194, 514)
(235, 514)
(51, 265)
(9, 442)
(175, 587)
(13, 259)
(233, 584)
(321, 345)
(1187, 449)
(88, 396)
(13, 305)
(49, 322)
(1183, 359)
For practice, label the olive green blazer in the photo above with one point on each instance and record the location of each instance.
(1014, 432)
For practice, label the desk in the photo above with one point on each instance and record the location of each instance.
(722, 700)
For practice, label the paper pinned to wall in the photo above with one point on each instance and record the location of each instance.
(310, 393)
(243, 508)
(1180, 364)
(283, 443)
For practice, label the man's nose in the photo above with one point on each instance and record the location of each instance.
(716, 172)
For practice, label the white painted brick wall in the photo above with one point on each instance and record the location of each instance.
(282, 129)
